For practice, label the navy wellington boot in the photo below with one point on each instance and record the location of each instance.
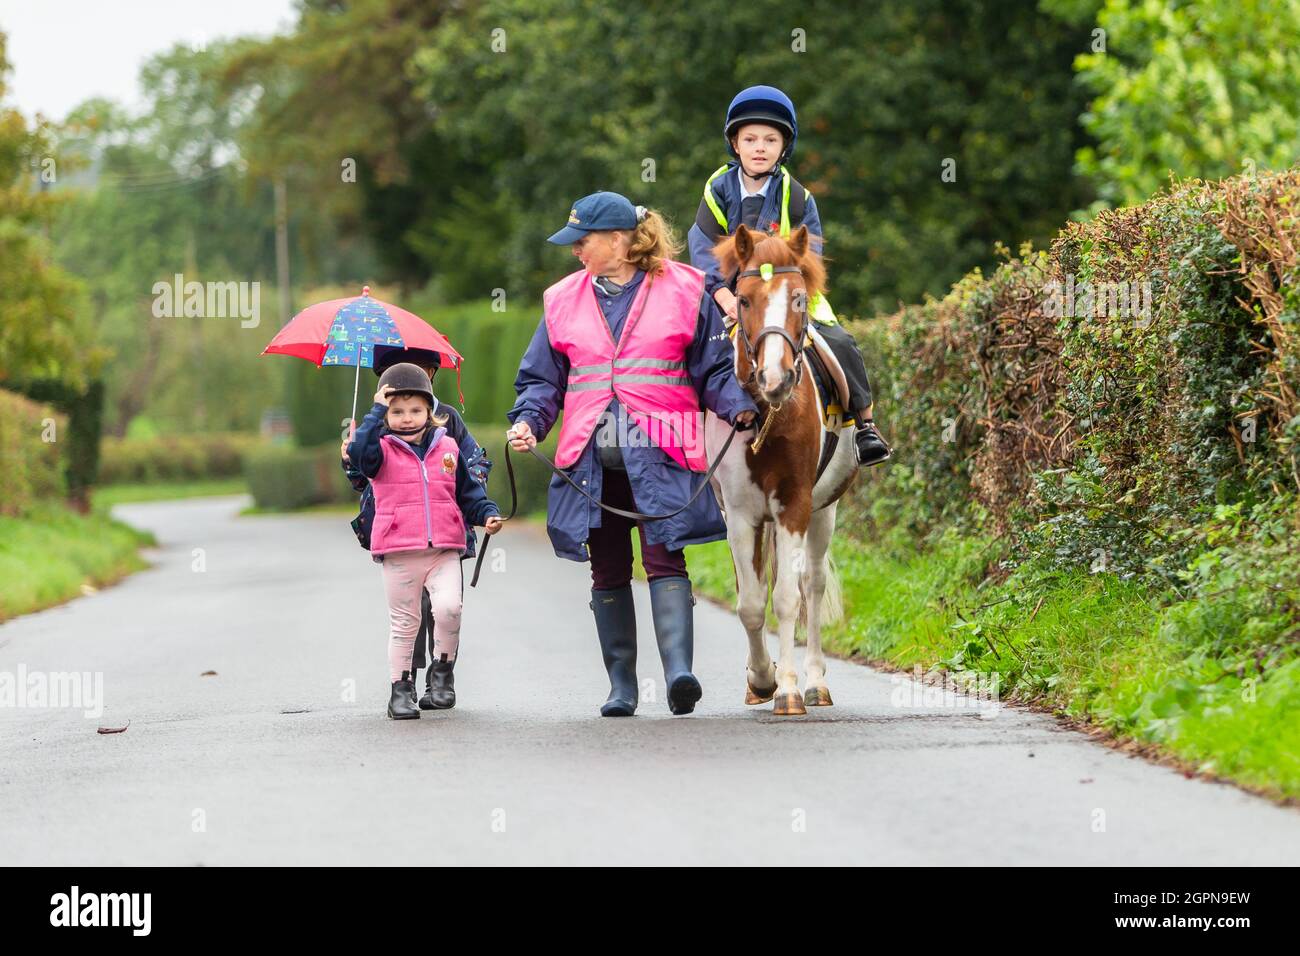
(673, 607)
(616, 628)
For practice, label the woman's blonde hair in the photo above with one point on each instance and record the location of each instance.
(651, 242)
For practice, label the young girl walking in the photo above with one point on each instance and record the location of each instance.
(424, 495)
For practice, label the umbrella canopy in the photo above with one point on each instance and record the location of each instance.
(348, 332)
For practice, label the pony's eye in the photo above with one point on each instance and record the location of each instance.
(744, 301)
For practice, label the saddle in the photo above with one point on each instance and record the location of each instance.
(832, 386)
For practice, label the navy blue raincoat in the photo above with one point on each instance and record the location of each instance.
(658, 483)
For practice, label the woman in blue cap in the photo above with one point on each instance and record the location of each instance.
(633, 350)
(757, 190)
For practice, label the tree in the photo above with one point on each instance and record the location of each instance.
(39, 337)
(566, 99)
(1199, 88)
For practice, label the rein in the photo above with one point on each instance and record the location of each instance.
(634, 515)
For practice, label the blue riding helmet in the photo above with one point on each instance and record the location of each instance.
(762, 104)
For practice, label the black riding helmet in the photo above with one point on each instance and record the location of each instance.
(407, 379)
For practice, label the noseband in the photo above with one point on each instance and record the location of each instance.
(765, 272)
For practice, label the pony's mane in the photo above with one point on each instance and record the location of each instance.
(777, 251)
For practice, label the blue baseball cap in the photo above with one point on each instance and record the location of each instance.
(598, 211)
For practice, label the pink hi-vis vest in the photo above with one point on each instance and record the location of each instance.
(415, 499)
(646, 368)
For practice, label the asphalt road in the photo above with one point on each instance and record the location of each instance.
(285, 755)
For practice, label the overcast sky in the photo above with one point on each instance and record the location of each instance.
(65, 51)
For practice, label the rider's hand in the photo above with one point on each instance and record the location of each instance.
(493, 524)
(383, 394)
(344, 450)
(726, 300)
(521, 436)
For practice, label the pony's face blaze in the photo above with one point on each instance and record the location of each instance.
(773, 303)
(776, 279)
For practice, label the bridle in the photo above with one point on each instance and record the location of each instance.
(765, 272)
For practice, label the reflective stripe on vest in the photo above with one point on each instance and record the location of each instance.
(645, 369)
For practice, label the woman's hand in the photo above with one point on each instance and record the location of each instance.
(726, 300)
(521, 436)
(382, 395)
(494, 524)
(745, 417)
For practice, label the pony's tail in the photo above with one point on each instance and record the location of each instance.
(832, 609)
(769, 553)
(832, 606)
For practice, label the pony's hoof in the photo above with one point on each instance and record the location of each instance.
(789, 705)
(817, 697)
(753, 696)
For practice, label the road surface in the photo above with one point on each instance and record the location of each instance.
(285, 755)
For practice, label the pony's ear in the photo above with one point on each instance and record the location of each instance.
(744, 244)
(799, 242)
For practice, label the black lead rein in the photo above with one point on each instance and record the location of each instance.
(634, 515)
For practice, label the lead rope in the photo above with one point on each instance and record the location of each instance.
(634, 515)
(757, 443)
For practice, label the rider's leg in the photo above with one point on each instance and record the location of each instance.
(846, 350)
(868, 443)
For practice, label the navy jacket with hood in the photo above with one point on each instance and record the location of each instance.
(706, 232)
(658, 483)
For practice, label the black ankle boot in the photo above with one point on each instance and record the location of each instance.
(673, 607)
(871, 447)
(401, 703)
(441, 690)
(616, 628)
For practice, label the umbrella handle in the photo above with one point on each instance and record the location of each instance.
(356, 385)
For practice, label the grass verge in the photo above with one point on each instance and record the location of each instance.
(51, 554)
(1145, 669)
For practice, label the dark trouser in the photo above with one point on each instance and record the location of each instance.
(846, 350)
(611, 543)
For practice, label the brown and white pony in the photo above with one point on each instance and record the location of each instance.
(780, 516)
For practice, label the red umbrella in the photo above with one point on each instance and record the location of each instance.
(354, 331)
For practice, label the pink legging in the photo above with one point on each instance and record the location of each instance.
(405, 573)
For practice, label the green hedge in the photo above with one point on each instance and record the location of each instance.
(175, 457)
(1130, 482)
(79, 440)
(1103, 438)
(32, 465)
(282, 478)
(492, 344)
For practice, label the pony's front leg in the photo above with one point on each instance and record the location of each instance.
(791, 554)
(751, 608)
(820, 530)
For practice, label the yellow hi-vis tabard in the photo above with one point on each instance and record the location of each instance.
(819, 309)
